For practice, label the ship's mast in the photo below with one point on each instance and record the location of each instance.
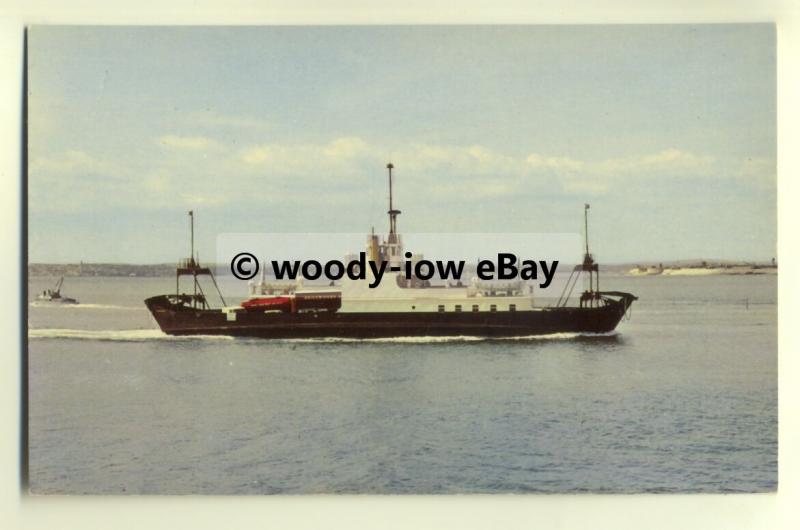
(191, 235)
(588, 263)
(591, 297)
(392, 212)
(586, 225)
(192, 263)
(191, 267)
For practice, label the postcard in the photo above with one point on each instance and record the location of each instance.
(401, 259)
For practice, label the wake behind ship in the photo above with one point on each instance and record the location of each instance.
(396, 307)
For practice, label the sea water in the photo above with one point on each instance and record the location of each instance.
(683, 398)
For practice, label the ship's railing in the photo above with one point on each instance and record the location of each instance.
(272, 288)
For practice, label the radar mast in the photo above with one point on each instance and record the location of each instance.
(392, 212)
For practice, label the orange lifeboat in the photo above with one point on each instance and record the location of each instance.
(268, 303)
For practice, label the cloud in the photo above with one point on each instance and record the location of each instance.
(476, 170)
(600, 176)
(346, 148)
(351, 169)
(194, 143)
(71, 163)
(671, 161)
(493, 173)
(74, 181)
(343, 157)
(467, 161)
(537, 161)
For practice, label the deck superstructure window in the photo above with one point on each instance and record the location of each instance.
(493, 308)
(475, 308)
(458, 308)
(441, 309)
(512, 307)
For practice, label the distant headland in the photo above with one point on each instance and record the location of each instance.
(101, 269)
(704, 268)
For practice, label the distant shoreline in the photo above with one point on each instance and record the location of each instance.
(704, 268)
(100, 269)
(674, 268)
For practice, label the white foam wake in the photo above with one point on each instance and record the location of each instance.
(411, 340)
(119, 335)
(561, 336)
(85, 306)
(455, 338)
(140, 335)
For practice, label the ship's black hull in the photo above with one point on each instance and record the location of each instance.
(177, 319)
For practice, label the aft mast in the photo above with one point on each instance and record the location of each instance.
(592, 296)
(589, 265)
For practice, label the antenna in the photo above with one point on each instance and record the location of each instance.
(586, 225)
(390, 166)
(392, 212)
(191, 236)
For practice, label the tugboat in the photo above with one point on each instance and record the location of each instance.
(54, 295)
(396, 307)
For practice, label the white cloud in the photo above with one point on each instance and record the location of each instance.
(536, 161)
(343, 156)
(481, 171)
(352, 169)
(70, 162)
(597, 177)
(493, 173)
(346, 148)
(671, 161)
(474, 160)
(195, 143)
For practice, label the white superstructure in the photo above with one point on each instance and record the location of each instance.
(396, 293)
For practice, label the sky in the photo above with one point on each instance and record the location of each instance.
(669, 132)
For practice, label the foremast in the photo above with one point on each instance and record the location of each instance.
(191, 267)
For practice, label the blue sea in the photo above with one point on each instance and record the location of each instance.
(683, 398)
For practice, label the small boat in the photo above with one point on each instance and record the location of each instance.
(54, 295)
